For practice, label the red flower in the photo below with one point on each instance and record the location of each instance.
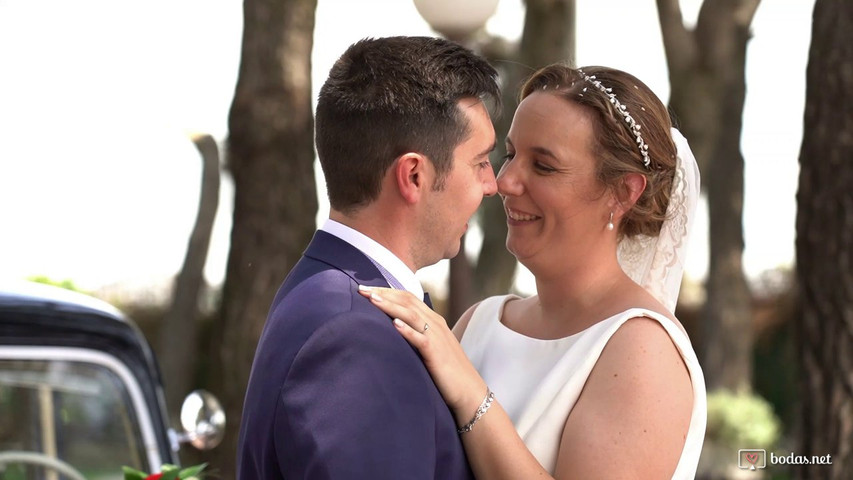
(171, 472)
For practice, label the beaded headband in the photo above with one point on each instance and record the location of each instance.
(632, 124)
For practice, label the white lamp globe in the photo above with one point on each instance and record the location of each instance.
(456, 19)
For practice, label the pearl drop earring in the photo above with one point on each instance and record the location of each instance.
(610, 223)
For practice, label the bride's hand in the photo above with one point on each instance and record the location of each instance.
(457, 380)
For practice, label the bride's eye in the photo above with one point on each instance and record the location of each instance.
(541, 167)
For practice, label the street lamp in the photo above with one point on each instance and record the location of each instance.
(456, 20)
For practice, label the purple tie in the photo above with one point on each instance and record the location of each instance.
(428, 301)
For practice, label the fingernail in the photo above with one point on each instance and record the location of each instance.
(375, 297)
(365, 288)
(398, 322)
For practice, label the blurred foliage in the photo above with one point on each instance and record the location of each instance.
(66, 284)
(742, 419)
(777, 369)
(736, 420)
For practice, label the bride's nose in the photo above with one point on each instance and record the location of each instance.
(509, 180)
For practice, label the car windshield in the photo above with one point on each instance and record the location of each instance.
(77, 412)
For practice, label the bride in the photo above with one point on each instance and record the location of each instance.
(593, 377)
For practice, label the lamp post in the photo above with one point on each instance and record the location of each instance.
(459, 21)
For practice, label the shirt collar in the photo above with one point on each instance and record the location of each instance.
(378, 253)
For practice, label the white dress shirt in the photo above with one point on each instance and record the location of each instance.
(378, 254)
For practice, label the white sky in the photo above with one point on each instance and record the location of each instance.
(99, 183)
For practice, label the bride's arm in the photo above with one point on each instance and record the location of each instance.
(493, 447)
(633, 414)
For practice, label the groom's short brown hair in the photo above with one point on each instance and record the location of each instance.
(388, 96)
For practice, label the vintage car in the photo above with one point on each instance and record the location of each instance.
(81, 393)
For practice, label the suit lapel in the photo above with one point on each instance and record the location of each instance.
(331, 250)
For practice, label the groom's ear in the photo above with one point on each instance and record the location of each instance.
(411, 174)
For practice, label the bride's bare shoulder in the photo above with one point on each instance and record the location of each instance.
(642, 299)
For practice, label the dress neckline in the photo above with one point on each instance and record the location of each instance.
(642, 312)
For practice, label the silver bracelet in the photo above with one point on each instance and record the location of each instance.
(487, 402)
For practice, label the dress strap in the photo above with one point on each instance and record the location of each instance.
(485, 317)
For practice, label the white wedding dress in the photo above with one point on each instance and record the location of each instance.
(539, 381)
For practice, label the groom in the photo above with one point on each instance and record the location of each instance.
(403, 136)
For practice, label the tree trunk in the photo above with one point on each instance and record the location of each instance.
(271, 157)
(179, 332)
(825, 246)
(708, 88)
(548, 37)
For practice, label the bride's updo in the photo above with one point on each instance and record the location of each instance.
(622, 106)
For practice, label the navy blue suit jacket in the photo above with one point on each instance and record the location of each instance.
(335, 392)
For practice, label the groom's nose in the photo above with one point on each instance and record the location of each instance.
(490, 184)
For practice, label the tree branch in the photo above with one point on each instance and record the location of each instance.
(679, 43)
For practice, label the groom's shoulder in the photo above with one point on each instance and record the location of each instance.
(313, 287)
(316, 296)
(320, 309)
(317, 292)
